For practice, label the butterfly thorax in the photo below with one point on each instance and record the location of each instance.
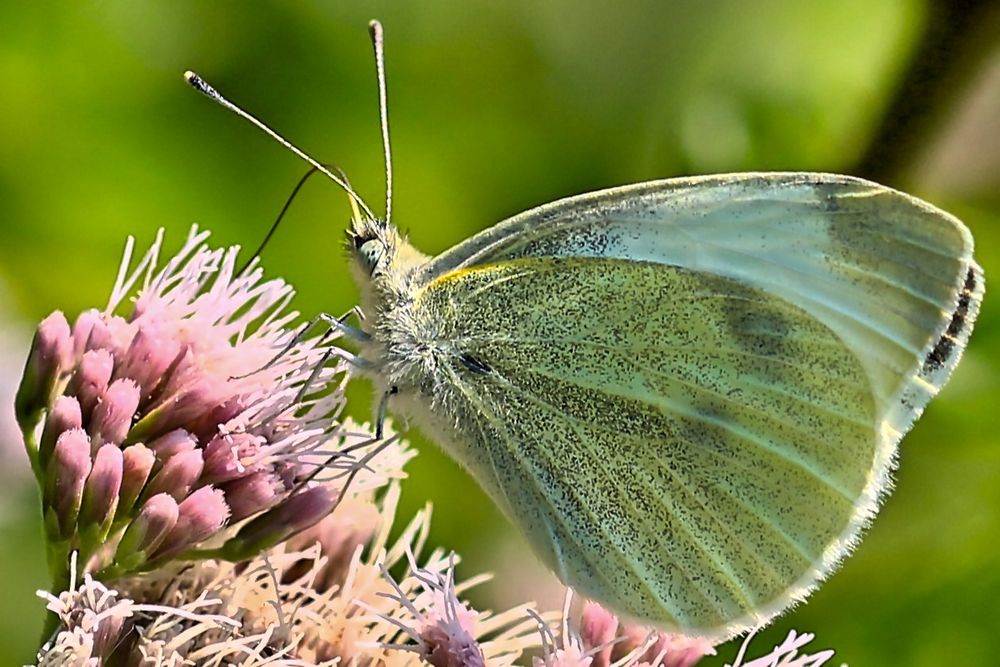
(400, 353)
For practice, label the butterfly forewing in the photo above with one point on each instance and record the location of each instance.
(887, 272)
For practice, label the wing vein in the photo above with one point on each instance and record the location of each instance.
(595, 568)
(632, 566)
(740, 432)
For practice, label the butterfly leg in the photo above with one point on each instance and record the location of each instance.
(340, 324)
(353, 466)
(332, 323)
(379, 440)
(383, 406)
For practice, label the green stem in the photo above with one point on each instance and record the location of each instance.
(58, 557)
(28, 430)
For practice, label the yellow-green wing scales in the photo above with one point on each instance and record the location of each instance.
(677, 444)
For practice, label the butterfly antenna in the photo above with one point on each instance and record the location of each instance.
(204, 88)
(375, 29)
(288, 204)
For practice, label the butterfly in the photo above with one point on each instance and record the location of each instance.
(687, 394)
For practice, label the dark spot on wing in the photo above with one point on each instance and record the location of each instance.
(827, 194)
(758, 328)
(945, 346)
(475, 364)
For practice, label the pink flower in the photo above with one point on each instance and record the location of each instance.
(444, 627)
(201, 391)
(598, 628)
(603, 641)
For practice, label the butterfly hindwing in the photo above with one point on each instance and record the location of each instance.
(679, 445)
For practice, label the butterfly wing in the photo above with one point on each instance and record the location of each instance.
(688, 394)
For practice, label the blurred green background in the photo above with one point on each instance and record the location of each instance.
(497, 107)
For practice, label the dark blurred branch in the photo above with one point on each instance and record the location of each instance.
(957, 35)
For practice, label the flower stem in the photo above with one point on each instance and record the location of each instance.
(59, 571)
(29, 428)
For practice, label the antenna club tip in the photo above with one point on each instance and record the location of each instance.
(201, 86)
(194, 80)
(375, 27)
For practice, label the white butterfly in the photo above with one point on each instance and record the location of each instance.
(687, 394)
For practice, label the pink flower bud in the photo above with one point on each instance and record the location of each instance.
(66, 476)
(204, 402)
(172, 443)
(177, 475)
(447, 638)
(137, 462)
(55, 340)
(450, 645)
(112, 417)
(206, 423)
(100, 496)
(91, 379)
(202, 514)
(51, 356)
(147, 531)
(297, 512)
(149, 356)
(64, 415)
(673, 650)
(90, 332)
(681, 651)
(250, 494)
(597, 630)
(630, 638)
(107, 636)
(226, 456)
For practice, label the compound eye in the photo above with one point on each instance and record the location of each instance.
(371, 253)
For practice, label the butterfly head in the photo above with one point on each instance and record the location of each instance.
(382, 260)
(372, 243)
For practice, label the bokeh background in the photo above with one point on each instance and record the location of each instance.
(497, 107)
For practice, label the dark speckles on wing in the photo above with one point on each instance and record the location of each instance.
(883, 233)
(584, 240)
(681, 445)
(903, 262)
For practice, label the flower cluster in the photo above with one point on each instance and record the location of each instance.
(94, 620)
(151, 431)
(600, 639)
(295, 605)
